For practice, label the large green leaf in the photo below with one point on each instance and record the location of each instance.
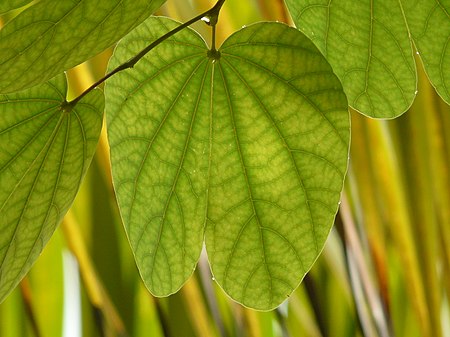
(429, 24)
(44, 154)
(367, 44)
(52, 36)
(251, 147)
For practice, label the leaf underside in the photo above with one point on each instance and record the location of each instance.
(368, 45)
(250, 149)
(53, 36)
(48, 152)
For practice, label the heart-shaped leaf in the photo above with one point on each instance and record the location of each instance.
(44, 155)
(53, 36)
(248, 145)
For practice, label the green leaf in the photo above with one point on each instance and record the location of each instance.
(429, 24)
(250, 148)
(367, 44)
(7, 5)
(44, 155)
(53, 36)
(279, 156)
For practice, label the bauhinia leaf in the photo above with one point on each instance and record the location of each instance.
(429, 24)
(367, 44)
(44, 155)
(52, 36)
(250, 148)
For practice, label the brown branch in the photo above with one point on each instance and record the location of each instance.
(212, 15)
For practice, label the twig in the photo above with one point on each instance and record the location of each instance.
(212, 15)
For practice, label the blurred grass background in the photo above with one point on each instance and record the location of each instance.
(385, 270)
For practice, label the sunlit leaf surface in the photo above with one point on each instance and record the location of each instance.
(53, 36)
(252, 145)
(45, 153)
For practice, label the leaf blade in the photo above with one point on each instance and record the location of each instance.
(47, 153)
(53, 36)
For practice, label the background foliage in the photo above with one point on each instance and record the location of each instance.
(384, 270)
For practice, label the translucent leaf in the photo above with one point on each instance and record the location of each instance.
(367, 44)
(250, 148)
(52, 36)
(44, 154)
(429, 24)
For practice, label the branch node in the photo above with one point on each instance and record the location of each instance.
(210, 17)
